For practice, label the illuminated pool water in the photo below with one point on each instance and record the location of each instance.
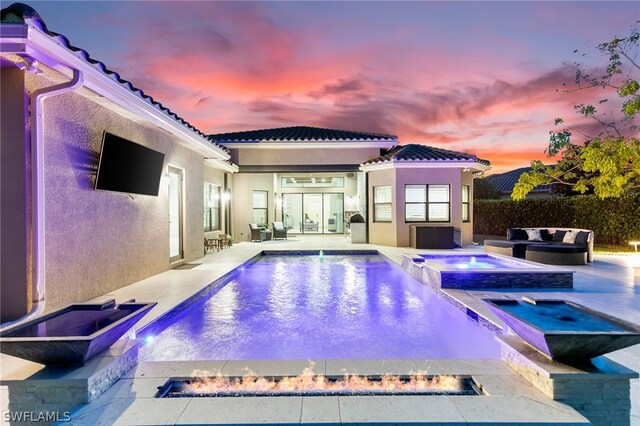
(478, 261)
(480, 270)
(337, 307)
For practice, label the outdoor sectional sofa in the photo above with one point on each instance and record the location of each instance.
(555, 248)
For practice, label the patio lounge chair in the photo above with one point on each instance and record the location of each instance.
(258, 233)
(279, 231)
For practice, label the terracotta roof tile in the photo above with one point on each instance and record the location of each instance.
(416, 152)
(505, 182)
(299, 134)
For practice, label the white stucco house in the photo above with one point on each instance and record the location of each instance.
(63, 241)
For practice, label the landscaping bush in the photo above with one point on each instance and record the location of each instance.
(612, 220)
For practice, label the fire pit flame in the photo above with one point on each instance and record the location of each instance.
(203, 383)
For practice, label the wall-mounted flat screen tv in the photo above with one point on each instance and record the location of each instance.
(126, 166)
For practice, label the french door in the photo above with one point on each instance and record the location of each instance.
(320, 213)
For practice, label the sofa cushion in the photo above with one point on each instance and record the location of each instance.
(546, 235)
(517, 234)
(558, 236)
(582, 238)
(558, 248)
(533, 234)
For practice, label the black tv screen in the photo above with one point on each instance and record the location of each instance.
(126, 166)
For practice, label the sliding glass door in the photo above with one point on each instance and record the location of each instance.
(313, 213)
(333, 213)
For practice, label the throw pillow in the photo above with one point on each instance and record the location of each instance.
(546, 235)
(582, 238)
(516, 234)
(534, 234)
(570, 237)
(558, 236)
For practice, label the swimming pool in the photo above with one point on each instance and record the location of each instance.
(312, 307)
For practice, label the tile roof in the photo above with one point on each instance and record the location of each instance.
(299, 134)
(416, 152)
(27, 15)
(505, 182)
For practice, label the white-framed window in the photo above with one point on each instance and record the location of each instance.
(466, 204)
(382, 203)
(415, 197)
(260, 207)
(211, 207)
(427, 203)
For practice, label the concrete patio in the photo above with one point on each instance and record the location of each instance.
(606, 285)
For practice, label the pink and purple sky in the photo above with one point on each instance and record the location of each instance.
(479, 77)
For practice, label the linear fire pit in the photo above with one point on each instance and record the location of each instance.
(197, 388)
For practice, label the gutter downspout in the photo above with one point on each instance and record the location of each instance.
(37, 190)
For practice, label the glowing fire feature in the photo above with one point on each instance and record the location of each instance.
(204, 384)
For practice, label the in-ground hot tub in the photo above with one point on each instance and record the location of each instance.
(482, 270)
(72, 335)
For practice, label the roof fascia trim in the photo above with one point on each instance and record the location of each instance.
(100, 83)
(434, 164)
(310, 144)
(231, 168)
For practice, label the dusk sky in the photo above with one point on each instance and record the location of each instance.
(480, 77)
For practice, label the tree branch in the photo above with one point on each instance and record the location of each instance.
(629, 58)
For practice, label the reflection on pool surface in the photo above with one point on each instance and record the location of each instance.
(335, 307)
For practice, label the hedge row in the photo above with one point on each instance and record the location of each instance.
(613, 220)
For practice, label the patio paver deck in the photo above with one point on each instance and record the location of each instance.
(606, 285)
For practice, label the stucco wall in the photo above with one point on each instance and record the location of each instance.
(397, 232)
(248, 156)
(383, 233)
(242, 201)
(98, 241)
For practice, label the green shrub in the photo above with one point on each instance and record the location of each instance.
(612, 220)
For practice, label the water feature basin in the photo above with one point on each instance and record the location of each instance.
(563, 330)
(74, 334)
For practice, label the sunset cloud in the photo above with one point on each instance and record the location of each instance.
(484, 78)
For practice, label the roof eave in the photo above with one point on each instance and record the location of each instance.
(29, 40)
(472, 166)
(311, 144)
(224, 165)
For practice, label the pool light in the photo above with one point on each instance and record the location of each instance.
(149, 338)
